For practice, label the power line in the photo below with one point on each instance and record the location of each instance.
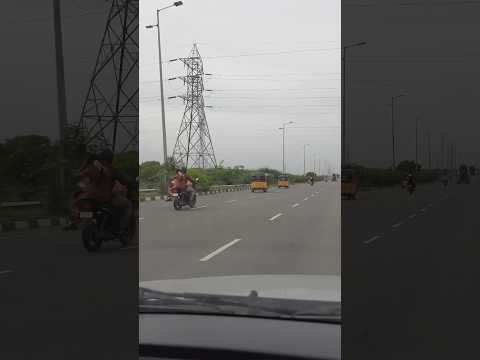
(48, 19)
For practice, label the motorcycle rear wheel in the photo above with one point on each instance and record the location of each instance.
(176, 204)
(193, 201)
(90, 240)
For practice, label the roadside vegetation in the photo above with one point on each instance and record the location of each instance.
(375, 177)
(153, 175)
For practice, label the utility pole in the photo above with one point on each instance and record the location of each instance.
(416, 143)
(283, 150)
(344, 102)
(61, 97)
(283, 145)
(304, 159)
(442, 152)
(393, 129)
(429, 150)
(393, 135)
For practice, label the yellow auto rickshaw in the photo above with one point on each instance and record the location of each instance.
(349, 184)
(258, 182)
(283, 182)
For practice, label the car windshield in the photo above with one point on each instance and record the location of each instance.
(254, 118)
(258, 178)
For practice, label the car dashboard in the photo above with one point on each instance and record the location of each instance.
(192, 336)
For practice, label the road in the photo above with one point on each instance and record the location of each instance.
(283, 231)
(410, 273)
(59, 302)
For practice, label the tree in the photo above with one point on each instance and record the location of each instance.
(408, 166)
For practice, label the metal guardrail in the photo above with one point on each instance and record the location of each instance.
(18, 204)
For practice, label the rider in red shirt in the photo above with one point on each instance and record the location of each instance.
(181, 182)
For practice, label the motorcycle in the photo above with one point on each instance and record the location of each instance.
(181, 198)
(410, 188)
(99, 222)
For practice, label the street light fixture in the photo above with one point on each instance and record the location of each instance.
(157, 25)
(393, 128)
(344, 128)
(283, 146)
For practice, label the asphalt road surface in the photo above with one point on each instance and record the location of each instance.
(59, 302)
(282, 231)
(410, 273)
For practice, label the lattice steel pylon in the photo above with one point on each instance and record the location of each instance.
(193, 147)
(110, 111)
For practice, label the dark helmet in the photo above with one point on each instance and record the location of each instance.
(106, 155)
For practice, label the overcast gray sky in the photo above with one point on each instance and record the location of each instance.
(426, 49)
(272, 62)
(29, 102)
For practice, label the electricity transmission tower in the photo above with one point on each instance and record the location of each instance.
(110, 111)
(193, 147)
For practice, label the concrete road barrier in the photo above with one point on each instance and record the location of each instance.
(151, 194)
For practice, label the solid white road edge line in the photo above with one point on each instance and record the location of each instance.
(219, 250)
(276, 216)
(5, 272)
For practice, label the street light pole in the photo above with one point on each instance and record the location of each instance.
(344, 127)
(61, 97)
(393, 129)
(283, 144)
(164, 130)
(162, 101)
(416, 143)
(304, 159)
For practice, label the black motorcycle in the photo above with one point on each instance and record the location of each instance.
(182, 199)
(100, 223)
(410, 187)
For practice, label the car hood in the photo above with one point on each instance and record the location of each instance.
(301, 287)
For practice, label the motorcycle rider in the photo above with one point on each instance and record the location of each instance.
(311, 180)
(410, 181)
(117, 188)
(182, 182)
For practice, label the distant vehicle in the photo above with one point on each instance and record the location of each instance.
(334, 177)
(258, 182)
(349, 183)
(472, 170)
(463, 176)
(283, 181)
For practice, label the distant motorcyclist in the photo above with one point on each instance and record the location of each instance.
(410, 182)
(311, 180)
(181, 182)
(445, 179)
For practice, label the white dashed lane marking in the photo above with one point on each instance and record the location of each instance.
(372, 239)
(219, 250)
(295, 205)
(397, 225)
(275, 216)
